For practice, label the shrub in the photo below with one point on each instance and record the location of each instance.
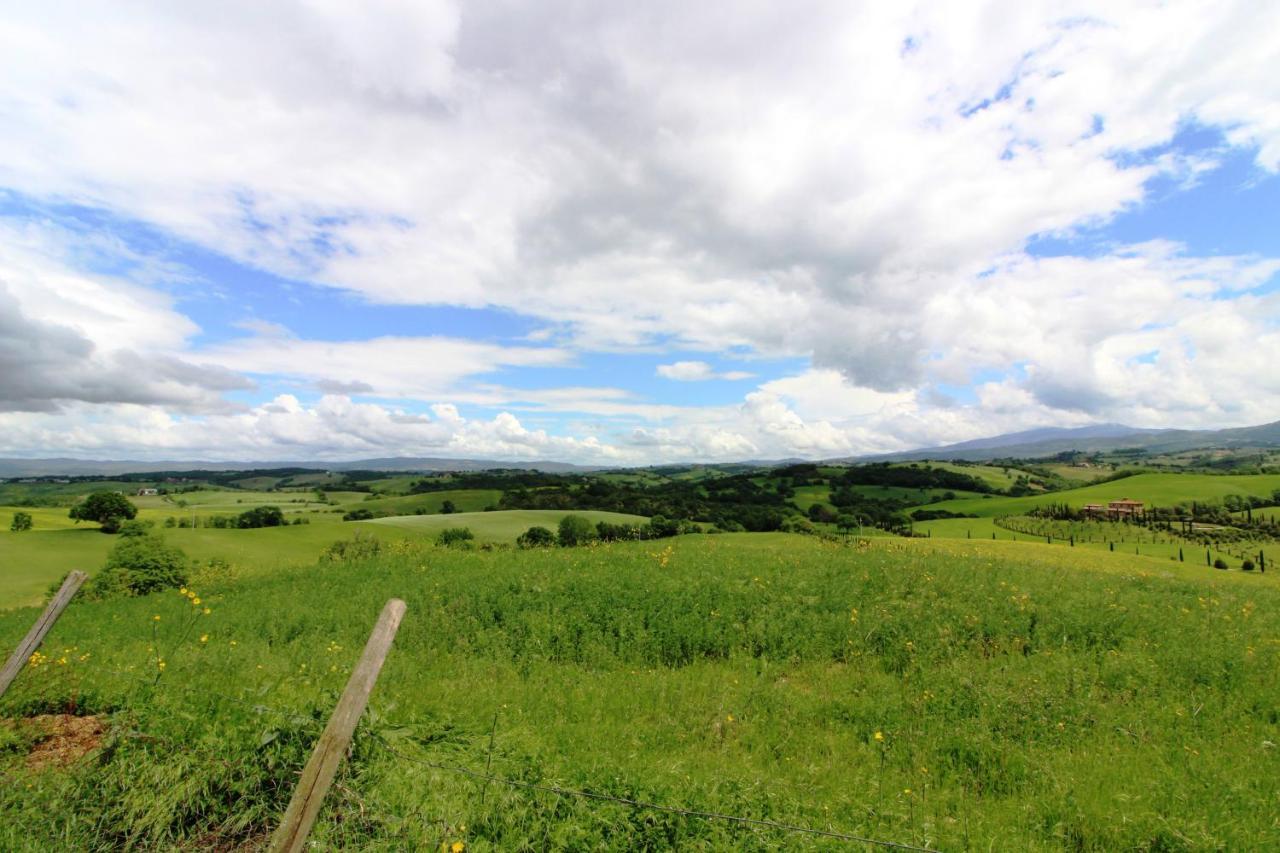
(536, 537)
(141, 562)
(21, 522)
(448, 508)
(575, 530)
(1247, 565)
(362, 547)
(260, 516)
(1219, 563)
(455, 537)
(358, 515)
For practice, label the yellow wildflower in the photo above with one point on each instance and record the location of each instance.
(457, 847)
(204, 638)
(879, 736)
(155, 618)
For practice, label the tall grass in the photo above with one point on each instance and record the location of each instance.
(960, 695)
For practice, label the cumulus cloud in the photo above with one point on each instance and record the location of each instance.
(67, 336)
(853, 185)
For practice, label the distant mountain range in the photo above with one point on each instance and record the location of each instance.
(1099, 438)
(1029, 444)
(62, 467)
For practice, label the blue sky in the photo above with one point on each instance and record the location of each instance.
(639, 239)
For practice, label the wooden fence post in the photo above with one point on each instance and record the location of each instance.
(316, 777)
(36, 635)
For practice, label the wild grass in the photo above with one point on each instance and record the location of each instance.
(960, 695)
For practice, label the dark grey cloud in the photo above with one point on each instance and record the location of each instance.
(46, 365)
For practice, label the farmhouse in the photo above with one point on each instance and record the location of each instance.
(1094, 510)
(1124, 508)
(146, 492)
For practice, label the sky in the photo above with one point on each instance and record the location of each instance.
(626, 234)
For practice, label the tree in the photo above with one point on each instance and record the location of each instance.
(261, 516)
(21, 522)
(141, 562)
(448, 508)
(575, 530)
(107, 508)
(536, 537)
(846, 523)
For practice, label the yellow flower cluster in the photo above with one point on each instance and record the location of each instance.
(190, 595)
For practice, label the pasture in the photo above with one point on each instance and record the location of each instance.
(948, 694)
(1154, 489)
(502, 526)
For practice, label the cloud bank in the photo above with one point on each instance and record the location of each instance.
(858, 188)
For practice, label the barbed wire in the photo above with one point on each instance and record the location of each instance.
(651, 806)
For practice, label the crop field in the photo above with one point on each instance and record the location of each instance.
(502, 526)
(1155, 489)
(953, 695)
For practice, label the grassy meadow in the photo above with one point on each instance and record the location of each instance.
(32, 560)
(1154, 489)
(955, 695)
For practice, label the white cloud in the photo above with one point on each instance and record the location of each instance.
(850, 184)
(697, 371)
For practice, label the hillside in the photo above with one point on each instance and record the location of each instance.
(944, 695)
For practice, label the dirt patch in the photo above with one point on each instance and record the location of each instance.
(61, 739)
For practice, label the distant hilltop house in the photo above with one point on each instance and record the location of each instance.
(1123, 508)
(146, 492)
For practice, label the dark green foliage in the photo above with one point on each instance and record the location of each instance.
(107, 508)
(537, 537)
(362, 547)
(575, 530)
(1247, 565)
(359, 514)
(260, 516)
(931, 514)
(448, 508)
(1219, 563)
(455, 537)
(21, 522)
(912, 477)
(140, 563)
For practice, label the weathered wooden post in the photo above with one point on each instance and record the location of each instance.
(291, 835)
(36, 635)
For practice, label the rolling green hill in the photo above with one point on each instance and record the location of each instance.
(1154, 489)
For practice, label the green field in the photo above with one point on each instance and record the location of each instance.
(30, 561)
(1154, 489)
(497, 526)
(955, 695)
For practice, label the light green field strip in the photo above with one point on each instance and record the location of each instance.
(1154, 489)
(502, 526)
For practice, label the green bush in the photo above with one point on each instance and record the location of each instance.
(536, 537)
(1219, 563)
(455, 537)
(1247, 565)
(261, 516)
(21, 522)
(575, 530)
(140, 563)
(362, 547)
